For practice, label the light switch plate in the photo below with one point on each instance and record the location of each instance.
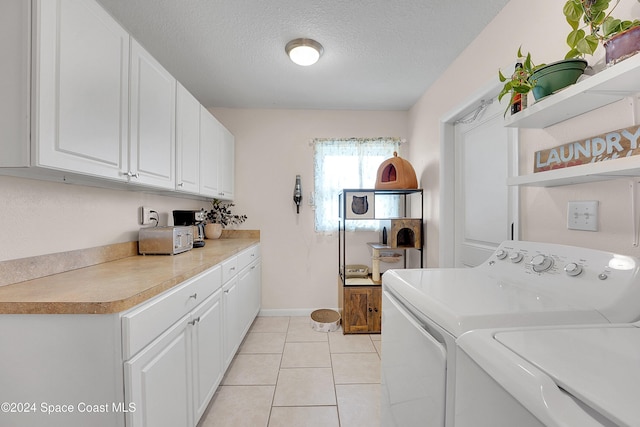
(583, 215)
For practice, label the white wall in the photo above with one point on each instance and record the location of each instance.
(40, 217)
(541, 29)
(299, 266)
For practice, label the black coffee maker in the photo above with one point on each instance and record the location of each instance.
(195, 219)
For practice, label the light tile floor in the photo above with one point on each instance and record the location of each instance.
(285, 374)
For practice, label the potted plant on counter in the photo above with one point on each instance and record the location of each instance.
(219, 217)
(592, 23)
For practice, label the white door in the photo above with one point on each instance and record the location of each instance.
(484, 205)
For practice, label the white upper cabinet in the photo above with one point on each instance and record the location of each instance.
(217, 153)
(226, 165)
(80, 116)
(152, 121)
(82, 101)
(210, 141)
(187, 141)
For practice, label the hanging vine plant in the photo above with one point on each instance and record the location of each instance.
(592, 24)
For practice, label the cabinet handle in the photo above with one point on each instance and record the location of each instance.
(227, 291)
(232, 268)
(181, 184)
(194, 296)
(131, 174)
(194, 321)
(375, 309)
(370, 309)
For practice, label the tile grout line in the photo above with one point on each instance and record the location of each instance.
(333, 376)
(275, 387)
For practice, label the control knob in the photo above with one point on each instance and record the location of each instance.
(573, 269)
(501, 254)
(541, 263)
(515, 257)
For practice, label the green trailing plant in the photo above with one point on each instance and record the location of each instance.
(520, 82)
(591, 24)
(220, 213)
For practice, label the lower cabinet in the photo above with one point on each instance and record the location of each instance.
(249, 294)
(171, 382)
(157, 364)
(157, 381)
(206, 339)
(361, 309)
(232, 332)
(241, 298)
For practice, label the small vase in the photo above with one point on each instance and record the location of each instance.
(212, 231)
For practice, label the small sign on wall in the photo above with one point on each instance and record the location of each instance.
(607, 146)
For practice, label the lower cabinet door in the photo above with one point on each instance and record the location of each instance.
(362, 309)
(157, 381)
(232, 325)
(375, 310)
(207, 351)
(250, 294)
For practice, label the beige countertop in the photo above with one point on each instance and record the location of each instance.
(117, 285)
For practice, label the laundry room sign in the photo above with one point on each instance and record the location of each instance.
(608, 146)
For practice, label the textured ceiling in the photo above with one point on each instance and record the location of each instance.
(378, 54)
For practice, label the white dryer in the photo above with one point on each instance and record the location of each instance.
(522, 284)
(560, 376)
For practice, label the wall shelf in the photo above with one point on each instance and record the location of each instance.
(609, 85)
(592, 172)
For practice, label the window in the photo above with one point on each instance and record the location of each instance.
(346, 163)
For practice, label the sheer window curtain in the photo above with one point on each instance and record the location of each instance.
(347, 163)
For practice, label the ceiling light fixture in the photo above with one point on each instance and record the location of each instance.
(304, 51)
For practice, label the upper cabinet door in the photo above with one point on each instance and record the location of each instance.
(226, 165)
(81, 89)
(210, 141)
(187, 142)
(153, 119)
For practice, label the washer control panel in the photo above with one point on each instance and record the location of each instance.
(606, 281)
(561, 260)
(544, 262)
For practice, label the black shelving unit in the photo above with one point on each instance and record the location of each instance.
(405, 199)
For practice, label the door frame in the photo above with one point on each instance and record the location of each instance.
(447, 242)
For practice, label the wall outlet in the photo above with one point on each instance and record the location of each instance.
(583, 215)
(145, 215)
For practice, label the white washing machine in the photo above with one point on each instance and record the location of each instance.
(522, 284)
(557, 376)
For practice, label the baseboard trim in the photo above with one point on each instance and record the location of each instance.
(288, 312)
